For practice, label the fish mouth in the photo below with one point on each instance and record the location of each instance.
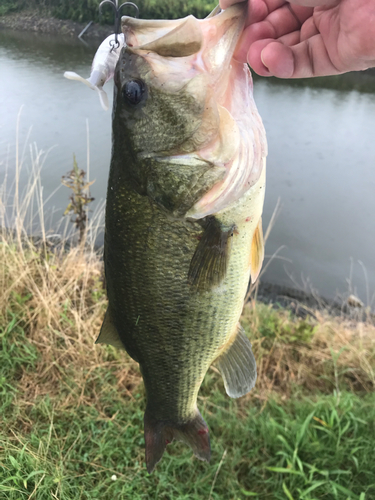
(211, 40)
(196, 57)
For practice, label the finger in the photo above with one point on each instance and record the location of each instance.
(291, 38)
(277, 24)
(278, 66)
(286, 19)
(308, 29)
(258, 9)
(254, 59)
(259, 31)
(251, 34)
(304, 60)
(315, 3)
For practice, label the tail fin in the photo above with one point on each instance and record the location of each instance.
(160, 433)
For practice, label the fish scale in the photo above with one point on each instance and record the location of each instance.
(154, 264)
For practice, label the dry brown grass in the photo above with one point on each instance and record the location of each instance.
(58, 299)
(56, 296)
(317, 355)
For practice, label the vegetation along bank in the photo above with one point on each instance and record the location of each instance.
(72, 411)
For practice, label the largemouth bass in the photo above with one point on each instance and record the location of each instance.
(183, 217)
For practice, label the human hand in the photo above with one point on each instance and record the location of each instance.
(306, 38)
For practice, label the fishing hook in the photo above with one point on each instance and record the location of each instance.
(117, 10)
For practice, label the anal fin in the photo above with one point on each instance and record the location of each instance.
(108, 332)
(208, 266)
(237, 366)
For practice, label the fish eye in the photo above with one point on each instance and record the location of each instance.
(133, 92)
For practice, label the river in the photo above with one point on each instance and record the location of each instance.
(321, 163)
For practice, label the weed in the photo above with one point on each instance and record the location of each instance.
(80, 199)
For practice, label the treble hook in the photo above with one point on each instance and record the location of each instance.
(114, 3)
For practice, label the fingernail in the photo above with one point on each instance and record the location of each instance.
(264, 64)
(261, 58)
(280, 60)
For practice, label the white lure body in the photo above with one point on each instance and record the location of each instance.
(102, 68)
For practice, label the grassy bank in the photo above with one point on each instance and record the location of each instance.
(72, 412)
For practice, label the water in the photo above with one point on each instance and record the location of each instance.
(321, 162)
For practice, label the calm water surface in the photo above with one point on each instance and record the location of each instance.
(321, 163)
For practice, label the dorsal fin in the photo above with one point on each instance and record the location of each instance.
(257, 252)
(184, 40)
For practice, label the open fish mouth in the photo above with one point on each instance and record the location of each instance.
(206, 45)
(197, 56)
(211, 40)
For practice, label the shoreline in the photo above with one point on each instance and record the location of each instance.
(38, 23)
(304, 304)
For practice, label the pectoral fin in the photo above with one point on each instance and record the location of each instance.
(208, 266)
(108, 333)
(237, 366)
(257, 252)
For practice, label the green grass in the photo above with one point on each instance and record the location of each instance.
(305, 448)
(78, 434)
(71, 412)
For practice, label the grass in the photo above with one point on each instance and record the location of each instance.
(72, 412)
